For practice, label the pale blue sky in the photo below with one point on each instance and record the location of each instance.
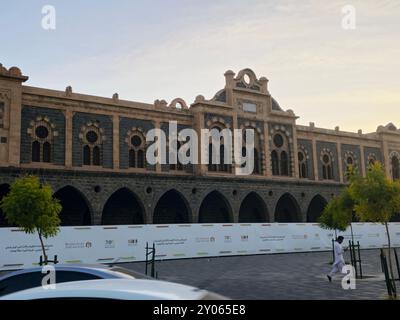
(162, 49)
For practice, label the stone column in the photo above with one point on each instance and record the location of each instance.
(116, 142)
(267, 171)
(234, 126)
(15, 126)
(362, 160)
(294, 156)
(68, 137)
(340, 164)
(385, 155)
(315, 159)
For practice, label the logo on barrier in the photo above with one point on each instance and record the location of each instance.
(212, 239)
(132, 242)
(244, 238)
(109, 244)
(78, 245)
(202, 239)
(227, 239)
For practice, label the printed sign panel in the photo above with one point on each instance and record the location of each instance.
(114, 244)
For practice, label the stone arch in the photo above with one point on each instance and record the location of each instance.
(315, 208)
(172, 208)
(123, 207)
(215, 208)
(253, 209)
(76, 210)
(287, 209)
(178, 103)
(4, 190)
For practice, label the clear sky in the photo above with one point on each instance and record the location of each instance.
(162, 49)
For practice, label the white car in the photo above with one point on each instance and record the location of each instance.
(116, 289)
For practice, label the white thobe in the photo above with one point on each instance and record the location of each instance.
(338, 264)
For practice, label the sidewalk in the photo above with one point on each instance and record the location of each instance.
(281, 276)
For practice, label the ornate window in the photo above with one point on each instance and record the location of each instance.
(327, 164)
(350, 161)
(222, 166)
(92, 138)
(302, 159)
(395, 164)
(275, 163)
(280, 154)
(258, 138)
(137, 148)
(41, 133)
(371, 159)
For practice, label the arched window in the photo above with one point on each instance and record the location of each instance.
(395, 168)
(302, 158)
(284, 164)
(86, 155)
(349, 161)
(371, 160)
(222, 166)
(140, 159)
(350, 164)
(96, 156)
(280, 155)
(327, 170)
(35, 151)
(92, 138)
(41, 133)
(304, 173)
(46, 152)
(132, 158)
(137, 146)
(211, 165)
(257, 167)
(275, 163)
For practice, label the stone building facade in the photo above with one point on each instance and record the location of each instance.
(91, 150)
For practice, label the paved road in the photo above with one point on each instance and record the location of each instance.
(281, 276)
(300, 276)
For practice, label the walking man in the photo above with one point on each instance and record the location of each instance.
(338, 264)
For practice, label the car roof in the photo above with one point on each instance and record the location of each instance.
(95, 269)
(120, 289)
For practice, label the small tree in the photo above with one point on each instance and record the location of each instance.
(332, 217)
(338, 213)
(31, 206)
(377, 199)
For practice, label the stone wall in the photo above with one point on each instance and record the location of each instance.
(97, 188)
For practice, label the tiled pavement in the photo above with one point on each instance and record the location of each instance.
(281, 276)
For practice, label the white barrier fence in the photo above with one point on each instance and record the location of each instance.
(111, 244)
